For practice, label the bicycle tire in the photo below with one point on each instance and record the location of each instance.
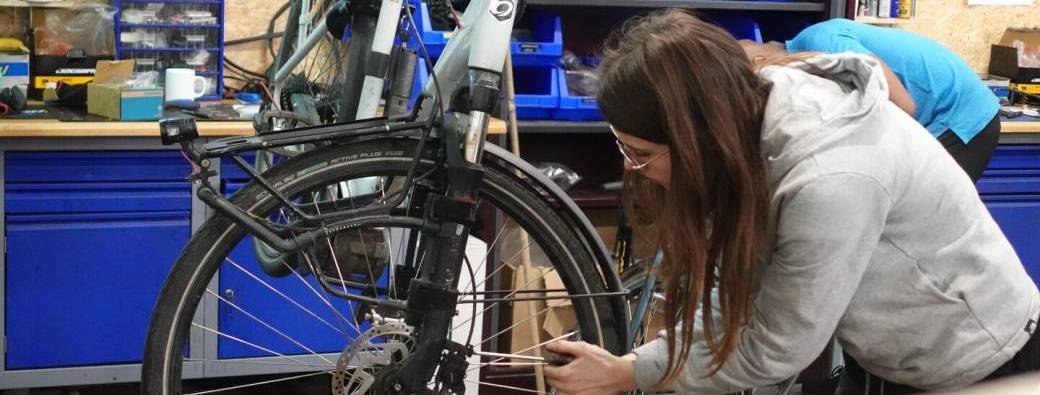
(204, 254)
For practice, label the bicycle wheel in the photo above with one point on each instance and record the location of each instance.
(315, 88)
(219, 315)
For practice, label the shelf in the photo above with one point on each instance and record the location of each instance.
(50, 4)
(121, 49)
(884, 21)
(167, 26)
(594, 198)
(562, 127)
(174, 1)
(700, 4)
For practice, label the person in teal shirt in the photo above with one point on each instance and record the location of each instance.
(925, 79)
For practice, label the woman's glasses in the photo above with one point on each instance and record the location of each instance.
(631, 156)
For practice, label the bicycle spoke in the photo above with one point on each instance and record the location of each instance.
(515, 324)
(268, 326)
(260, 383)
(505, 263)
(284, 296)
(487, 253)
(339, 273)
(508, 387)
(364, 248)
(261, 348)
(510, 294)
(325, 298)
(248, 362)
(520, 352)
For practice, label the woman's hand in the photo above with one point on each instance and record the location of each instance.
(593, 370)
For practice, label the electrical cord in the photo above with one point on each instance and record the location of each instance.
(437, 103)
(241, 69)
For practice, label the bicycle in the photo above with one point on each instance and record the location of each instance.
(385, 264)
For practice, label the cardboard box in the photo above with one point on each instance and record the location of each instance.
(528, 317)
(560, 319)
(1004, 60)
(15, 70)
(107, 96)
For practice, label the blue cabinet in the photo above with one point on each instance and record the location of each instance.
(81, 287)
(1010, 188)
(1019, 218)
(90, 237)
(298, 309)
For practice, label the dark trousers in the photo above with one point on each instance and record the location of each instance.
(856, 381)
(975, 155)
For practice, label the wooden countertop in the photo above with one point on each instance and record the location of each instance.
(55, 128)
(1020, 127)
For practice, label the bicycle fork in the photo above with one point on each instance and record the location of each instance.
(433, 297)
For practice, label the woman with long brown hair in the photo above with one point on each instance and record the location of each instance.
(793, 203)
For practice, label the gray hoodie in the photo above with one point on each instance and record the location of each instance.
(878, 237)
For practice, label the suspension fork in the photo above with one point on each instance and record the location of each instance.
(433, 297)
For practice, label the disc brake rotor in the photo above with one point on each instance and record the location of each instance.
(380, 347)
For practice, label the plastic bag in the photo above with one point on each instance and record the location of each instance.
(582, 79)
(89, 28)
(559, 173)
(1027, 57)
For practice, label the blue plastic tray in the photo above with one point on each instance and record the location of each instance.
(537, 91)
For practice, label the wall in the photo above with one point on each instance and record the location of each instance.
(969, 31)
(246, 18)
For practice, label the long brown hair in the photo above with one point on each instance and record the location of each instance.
(671, 78)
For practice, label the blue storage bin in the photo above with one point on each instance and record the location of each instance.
(575, 107)
(537, 92)
(433, 39)
(741, 27)
(537, 39)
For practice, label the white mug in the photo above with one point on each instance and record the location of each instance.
(183, 84)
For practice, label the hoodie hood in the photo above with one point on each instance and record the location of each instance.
(815, 104)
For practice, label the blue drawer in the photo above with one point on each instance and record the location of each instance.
(91, 166)
(80, 288)
(1014, 169)
(1019, 218)
(82, 197)
(1015, 157)
(230, 172)
(1009, 182)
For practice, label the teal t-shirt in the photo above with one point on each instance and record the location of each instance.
(946, 91)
